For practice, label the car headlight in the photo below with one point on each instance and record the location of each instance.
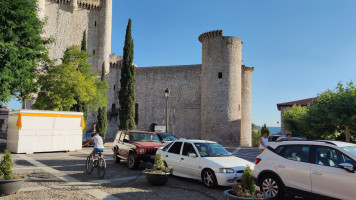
(142, 150)
(226, 170)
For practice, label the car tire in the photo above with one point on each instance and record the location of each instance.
(271, 185)
(209, 178)
(132, 162)
(116, 158)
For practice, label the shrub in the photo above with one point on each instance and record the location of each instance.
(256, 138)
(6, 166)
(247, 187)
(158, 166)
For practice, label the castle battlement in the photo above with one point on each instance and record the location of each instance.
(210, 34)
(115, 61)
(87, 4)
(245, 68)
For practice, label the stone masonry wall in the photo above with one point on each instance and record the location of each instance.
(67, 28)
(151, 82)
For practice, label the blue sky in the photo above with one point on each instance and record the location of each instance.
(298, 48)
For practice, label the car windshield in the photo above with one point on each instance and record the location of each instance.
(166, 137)
(144, 137)
(351, 150)
(211, 150)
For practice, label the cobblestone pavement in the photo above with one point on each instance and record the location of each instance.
(61, 175)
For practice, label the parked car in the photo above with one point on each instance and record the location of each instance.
(314, 169)
(272, 138)
(87, 136)
(135, 147)
(203, 160)
(285, 138)
(166, 138)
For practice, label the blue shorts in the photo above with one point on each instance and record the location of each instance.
(96, 150)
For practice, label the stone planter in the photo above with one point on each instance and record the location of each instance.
(229, 196)
(157, 179)
(11, 186)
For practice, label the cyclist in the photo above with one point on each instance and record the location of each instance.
(99, 144)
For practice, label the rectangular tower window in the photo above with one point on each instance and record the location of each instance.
(95, 23)
(114, 87)
(220, 75)
(94, 52)
(136, 113)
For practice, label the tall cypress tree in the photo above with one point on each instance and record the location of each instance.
(84, 42)
(102, 123)
(127, 95)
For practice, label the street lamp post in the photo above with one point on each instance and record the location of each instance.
(166, 93)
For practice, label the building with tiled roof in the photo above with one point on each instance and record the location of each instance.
(282, 106)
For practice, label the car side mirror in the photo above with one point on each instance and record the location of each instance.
(347, 166)
(193, 155)
(126, 140)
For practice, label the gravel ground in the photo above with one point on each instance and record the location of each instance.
(119, 181)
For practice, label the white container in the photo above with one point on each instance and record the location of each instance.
(44, 131)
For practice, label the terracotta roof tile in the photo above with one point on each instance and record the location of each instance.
(302, 102)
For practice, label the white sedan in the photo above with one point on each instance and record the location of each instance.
(204, 160)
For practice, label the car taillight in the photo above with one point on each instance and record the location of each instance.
(257, 160)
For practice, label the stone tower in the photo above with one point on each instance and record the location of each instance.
(246, 106)
(221, 87)
(66, 20)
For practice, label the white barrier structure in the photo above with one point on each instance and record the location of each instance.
(44, 131)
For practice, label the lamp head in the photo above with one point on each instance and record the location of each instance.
(166, 93)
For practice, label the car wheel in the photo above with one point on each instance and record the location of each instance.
(116, 158)
(272, 186)
(209, 178)
(132, 162)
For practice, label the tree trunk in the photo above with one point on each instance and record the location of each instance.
(347, 132)
(23, 102)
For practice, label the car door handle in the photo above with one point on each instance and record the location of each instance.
(317, 173)
(281, 166)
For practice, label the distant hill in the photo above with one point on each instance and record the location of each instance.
(273, 130)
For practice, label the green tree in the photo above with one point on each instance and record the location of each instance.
(264, 129)
(22, 49)
(84, 42)
(64, 85)
(295, 120)
(102, 123)
(127, 95)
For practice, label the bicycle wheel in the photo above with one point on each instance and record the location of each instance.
(89, 164)
(101, 168)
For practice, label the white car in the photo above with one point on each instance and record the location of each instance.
(203, 160)
(314, 169)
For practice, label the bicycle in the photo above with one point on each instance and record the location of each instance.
(99, 164)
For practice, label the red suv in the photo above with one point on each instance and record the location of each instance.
(136, 147)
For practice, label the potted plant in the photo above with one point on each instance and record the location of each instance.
(158, 175)
(10, 183)
(246, 189)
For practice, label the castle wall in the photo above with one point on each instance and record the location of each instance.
(221, 96)
(67, 28)
(151, 82)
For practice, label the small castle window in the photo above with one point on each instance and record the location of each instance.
(220, 75)
(114, 87)
(94, 52)
(95, 23)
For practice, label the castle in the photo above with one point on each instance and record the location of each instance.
(209, 101)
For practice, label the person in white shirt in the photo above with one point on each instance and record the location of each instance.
(263, 142)
(98, 144)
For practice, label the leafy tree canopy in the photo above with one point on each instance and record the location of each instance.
(63, 86)
(22, 48)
